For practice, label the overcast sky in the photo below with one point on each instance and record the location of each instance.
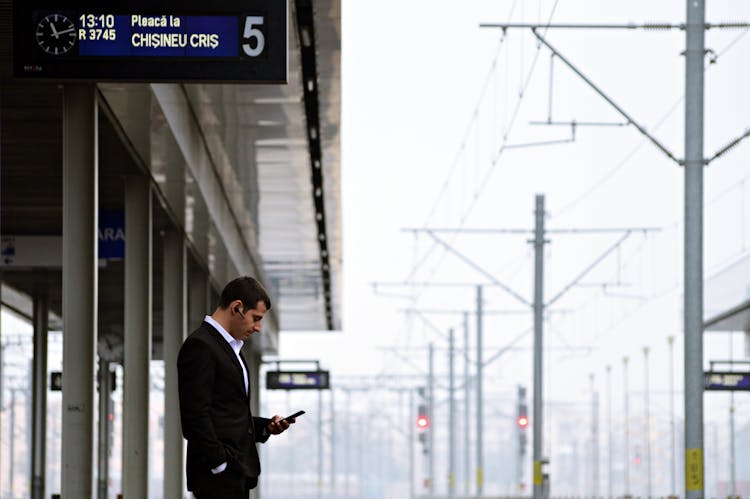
(429, 99)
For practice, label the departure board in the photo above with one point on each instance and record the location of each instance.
(726, 381)
(298, 380)
(245, 42)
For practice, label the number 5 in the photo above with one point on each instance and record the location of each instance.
(250, 33)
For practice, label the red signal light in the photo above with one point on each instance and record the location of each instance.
(523, 421)
(423, 421)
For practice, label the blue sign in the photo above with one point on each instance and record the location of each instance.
(297, 380)
(112, 235)
(143, 40)
(158, 36)
(729, 381)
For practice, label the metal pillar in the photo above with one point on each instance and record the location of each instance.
(732, 470)
(104, 428)
(451, 418)
(647, 422)
(467, 391)
(79, 287)
(137, 344)
(609, 432)
(732, 435)
(12, 439)
(626, 423)
(693, 298)
(39, 397)
(347, 436)
(175, 329)
(480, 423)
(320, 444)
(431, 415)
(594, 439)
(412, 441)
(332, 425)
(538, 345)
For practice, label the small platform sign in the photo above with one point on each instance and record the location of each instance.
(726, 380)
(298, 380)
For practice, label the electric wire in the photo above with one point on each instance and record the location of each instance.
(612, 171)
(492, 168)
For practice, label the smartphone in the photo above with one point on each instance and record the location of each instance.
(296, 414)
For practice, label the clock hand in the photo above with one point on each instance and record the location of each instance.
(65, 31)
(54, 31)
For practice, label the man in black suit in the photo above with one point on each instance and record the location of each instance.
(222, 461)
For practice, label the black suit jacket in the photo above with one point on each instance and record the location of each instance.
(215, 412)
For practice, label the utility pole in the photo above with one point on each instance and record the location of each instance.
(451, 418)
(538, 307)
(538, 345)
(693, 163)
(431, 413)
(332, 425)
(412, 438)
(594, 438)
(647, 420)
(609, 432)
(467, 420)
(693, 296)
(626, 423)
(320, 444)
(480, 396)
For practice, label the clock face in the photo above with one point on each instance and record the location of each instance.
(56, 34)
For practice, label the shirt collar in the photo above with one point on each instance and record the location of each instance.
(234, 343)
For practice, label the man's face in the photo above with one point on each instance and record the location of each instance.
(248, 321)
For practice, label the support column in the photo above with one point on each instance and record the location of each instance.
(175, 327)
(320, 444)
(431, 416)
(647, 420)
(79, 287)
(538, 345)
(480, 410)
(626, 424)
(594, 438)
(467, 422)
(451, 419)
(105, 388)
(334, 433)
(412, 440)
(693, 296)
(137, 344)
(39, 410)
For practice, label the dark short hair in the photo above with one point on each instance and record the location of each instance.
(246, 289)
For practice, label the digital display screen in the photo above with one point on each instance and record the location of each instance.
(107, 35)
(244, 42)
(726, 381)
(297, 380)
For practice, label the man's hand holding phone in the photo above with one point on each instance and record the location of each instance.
(279, 424)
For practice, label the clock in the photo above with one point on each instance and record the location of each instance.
(56, 34)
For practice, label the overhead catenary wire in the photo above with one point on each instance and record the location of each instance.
(609, 174)
(478, 191)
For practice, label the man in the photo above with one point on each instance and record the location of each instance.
(222, 461)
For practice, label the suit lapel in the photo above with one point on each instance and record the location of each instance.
(224, 345)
